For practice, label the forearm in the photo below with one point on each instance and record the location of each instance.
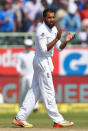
(50, 45)
(63, 45)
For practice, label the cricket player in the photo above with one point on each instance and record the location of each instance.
(25, 70)
(47, 37)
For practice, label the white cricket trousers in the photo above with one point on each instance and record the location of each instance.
(25, 84)
(42, 85)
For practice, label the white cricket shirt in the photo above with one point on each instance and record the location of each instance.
(44, 35)
(25, 63)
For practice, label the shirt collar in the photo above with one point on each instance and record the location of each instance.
(48, 27)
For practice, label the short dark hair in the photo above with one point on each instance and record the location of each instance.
(48, 10)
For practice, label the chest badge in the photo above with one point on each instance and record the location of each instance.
(48, 75)
(42, 34)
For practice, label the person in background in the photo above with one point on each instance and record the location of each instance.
(7, 18)
(1, 3)
(49, 2)
(17, 9)
(25, 69)
(54, 5)
(84, 17)
(30, 10)
(79, 4)
(25, 1)
(71, 21)
(44, 4)
(59, 16)
(36, 24)
(63, 4)
(84, 13)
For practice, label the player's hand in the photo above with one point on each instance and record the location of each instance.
(69, 37)
(21, 75)
(59, 33)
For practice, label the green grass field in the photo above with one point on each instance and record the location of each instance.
(42, 120)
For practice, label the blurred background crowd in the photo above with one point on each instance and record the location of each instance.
(26, 15)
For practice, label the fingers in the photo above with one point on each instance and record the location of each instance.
(72, 36)
(75, 35)
(68, 33)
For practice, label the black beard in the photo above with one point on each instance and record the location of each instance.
(50, 26)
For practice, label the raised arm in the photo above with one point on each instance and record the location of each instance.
(59, 33)
(69, 37)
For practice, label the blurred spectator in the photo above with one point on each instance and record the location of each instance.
(84, 12)
(25, 69)
(1, 3)
(59, 15)
(36, 24)
(17, 9)
(54, 5)
(25, 1)
(84, 17)
(71, 21)
(63, 4)
(21, 2)
(83, 1)
(7, 18)
(80, 4)
(85, 25)
(84, 38)
(30, 10)
(49, 2)
(44, 4)
(9, 1)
